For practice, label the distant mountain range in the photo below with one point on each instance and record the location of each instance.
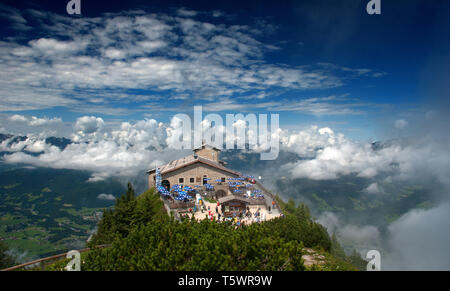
(60, 142)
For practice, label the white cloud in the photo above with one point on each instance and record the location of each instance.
(104, 196)
(114, 53)
(36, 146)
(53, 46)
(18, 118)
(36, 121)
(33, 120)
(307, 142)
(89, 124)
(318, 106)
(81, 57)
(117, 148)
(373, 188)
(124, 149)
(331, 155)
(32, 144)
(419, 240)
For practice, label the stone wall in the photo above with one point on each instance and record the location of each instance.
(196, 172)
(208, 153)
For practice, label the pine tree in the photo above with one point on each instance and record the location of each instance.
(336, 248)
(6, 260)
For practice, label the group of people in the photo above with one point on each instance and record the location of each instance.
(238, 218)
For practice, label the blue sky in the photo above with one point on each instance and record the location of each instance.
(313, 62)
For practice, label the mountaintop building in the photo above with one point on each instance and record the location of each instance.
(204, 169)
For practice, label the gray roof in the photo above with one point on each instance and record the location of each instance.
(234, 197)
(206, 146)
(189, 160)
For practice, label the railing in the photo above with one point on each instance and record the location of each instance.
(252, 201)
(176, 205)
(168, 210)
(270, 194)
(51, 258)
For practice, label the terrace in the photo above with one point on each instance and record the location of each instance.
(203, 200)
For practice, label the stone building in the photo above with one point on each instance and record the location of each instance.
(205, 167)
(200, 168)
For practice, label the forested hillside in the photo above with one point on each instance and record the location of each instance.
(143, 237)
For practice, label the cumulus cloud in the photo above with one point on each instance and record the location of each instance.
(333, 155)
(307, 142)
(323, 153)
(33, 144)
(328, 155)
(33, 120)
(125, 149)
(87, 127)
(373, 188)
(105, 196)
(34, 126)
(18, 118)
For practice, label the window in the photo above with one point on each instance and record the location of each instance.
(223, 179)
(191, 180)
(198, 179)
(181, 180)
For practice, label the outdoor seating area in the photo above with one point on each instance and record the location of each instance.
(226, 212)
(245, 186)
(200, 187)
(182, 196)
